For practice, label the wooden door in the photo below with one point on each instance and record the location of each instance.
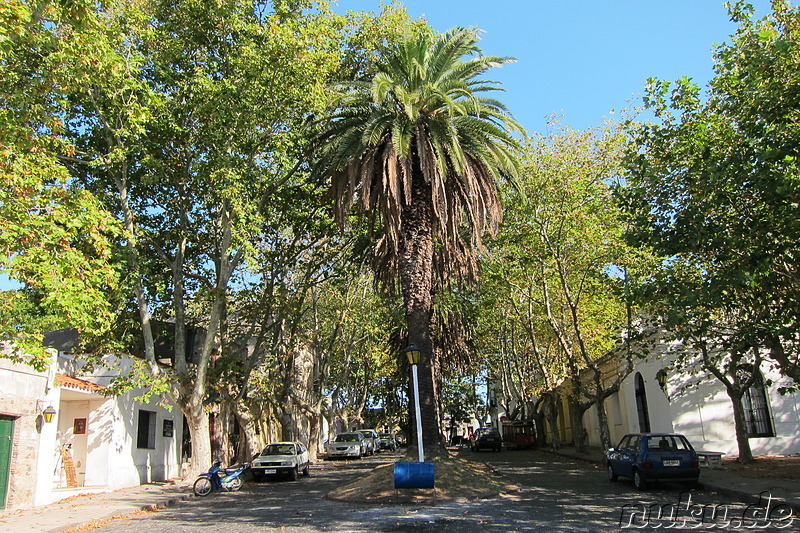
(6, 436)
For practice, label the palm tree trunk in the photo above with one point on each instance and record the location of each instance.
(416, 278)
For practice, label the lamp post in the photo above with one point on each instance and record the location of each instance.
(412, 352)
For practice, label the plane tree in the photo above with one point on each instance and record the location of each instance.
(180, 120)
(713, 190)
(56, 238)
(560, 262)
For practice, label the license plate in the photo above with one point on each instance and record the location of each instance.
(270, 471)
(672, 462)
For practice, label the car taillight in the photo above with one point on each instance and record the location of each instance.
(695, 464)
(647, 465)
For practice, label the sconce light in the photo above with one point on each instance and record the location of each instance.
(661, 378)
(48, 414)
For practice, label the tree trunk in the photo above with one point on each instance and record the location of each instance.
(249, 444)
(578, 430)
(539, 421)
(314, 431)
(416, 279)
(287, 421)
(602, 422)
(551, 413)
(199, 429)
(745, 453)
(602, 415)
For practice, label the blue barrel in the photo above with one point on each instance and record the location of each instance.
(413, 475)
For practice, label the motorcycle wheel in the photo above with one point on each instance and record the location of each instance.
(235, 484)
(202, 487)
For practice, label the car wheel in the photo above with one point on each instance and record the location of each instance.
(293, 474)
(202, 487)
(638, 480)
(306, 471)
(612, 476)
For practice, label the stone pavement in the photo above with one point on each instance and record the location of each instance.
(80, 511)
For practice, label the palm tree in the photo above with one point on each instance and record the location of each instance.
(418, 151)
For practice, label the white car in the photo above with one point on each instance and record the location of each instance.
(347, 445)
(281, 458)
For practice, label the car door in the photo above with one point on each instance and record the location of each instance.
(302, 455)
(616, 457)
(629, 456)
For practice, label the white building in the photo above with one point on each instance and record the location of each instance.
(95, 442)
(701, 410)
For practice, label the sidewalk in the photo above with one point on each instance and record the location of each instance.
(79, 511)
(748, 489)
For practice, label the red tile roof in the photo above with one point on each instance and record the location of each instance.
(64, 380)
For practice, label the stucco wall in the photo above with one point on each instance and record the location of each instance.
(702, 410)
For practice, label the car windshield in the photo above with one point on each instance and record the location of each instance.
(386, 436)
(347, 437)
(487, 432)
(279, 449)
(667, 443)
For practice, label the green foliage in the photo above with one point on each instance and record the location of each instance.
(715, 190)
(423, 113)
(55, 237)
(553, 276)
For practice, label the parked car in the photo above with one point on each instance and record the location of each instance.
(347, 445)
(484, 438)
(372, 439)
(281, 458)
(646, 457)
(388, 441)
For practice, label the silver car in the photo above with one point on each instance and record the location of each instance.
(372, 440)
(346, 445)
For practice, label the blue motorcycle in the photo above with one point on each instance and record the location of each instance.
(231, 480)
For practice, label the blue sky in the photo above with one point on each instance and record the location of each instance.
(583, 58)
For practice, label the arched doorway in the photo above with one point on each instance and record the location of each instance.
(641, 403)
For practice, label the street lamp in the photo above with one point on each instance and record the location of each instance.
(412, 352)
(661, 378)
(47, 414)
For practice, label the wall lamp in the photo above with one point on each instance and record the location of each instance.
(48, 414)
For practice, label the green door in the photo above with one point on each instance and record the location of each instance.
(6, 433)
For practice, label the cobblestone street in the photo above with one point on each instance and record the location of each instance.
(553, 494)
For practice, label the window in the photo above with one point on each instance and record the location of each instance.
(756, 409)
(146, 434)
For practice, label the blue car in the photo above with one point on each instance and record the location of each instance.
(647, 457)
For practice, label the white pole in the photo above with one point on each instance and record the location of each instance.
(416, 409)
